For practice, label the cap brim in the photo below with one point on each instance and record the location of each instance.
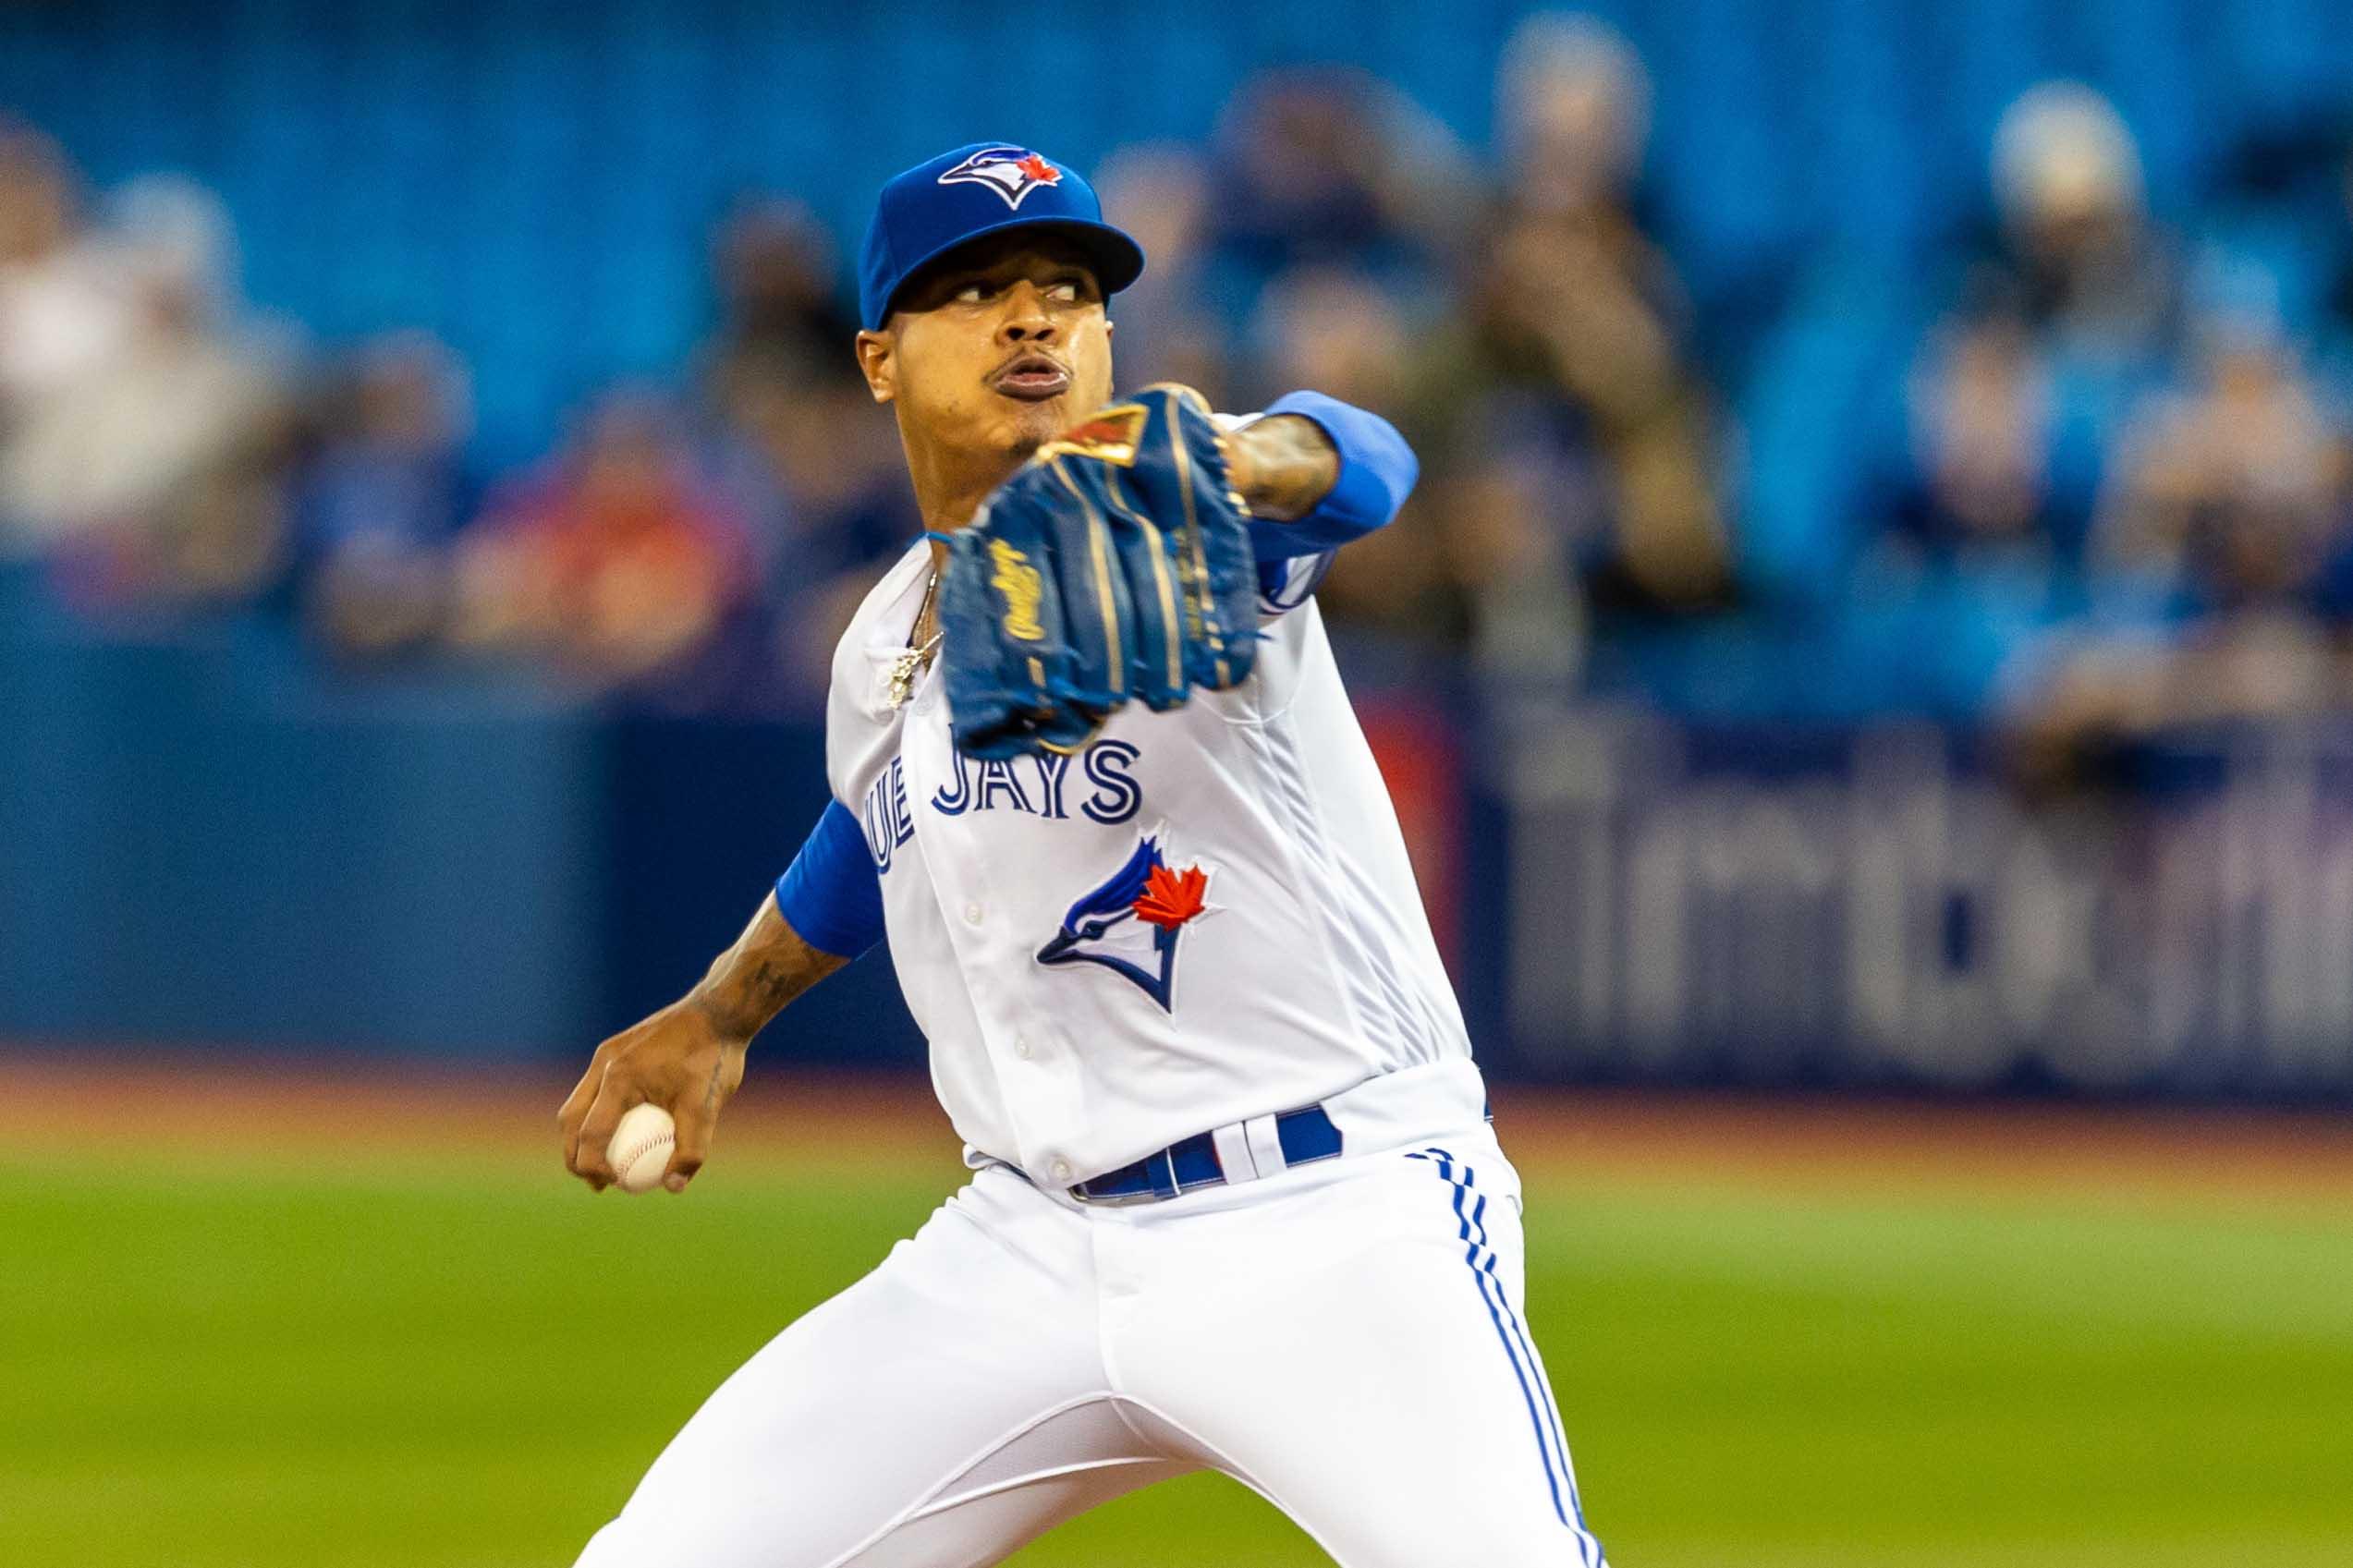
(1117, 259)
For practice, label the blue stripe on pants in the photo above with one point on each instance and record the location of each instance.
(1536, 1368)
(1517, 1350)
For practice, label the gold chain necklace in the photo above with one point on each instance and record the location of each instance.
(912, 658)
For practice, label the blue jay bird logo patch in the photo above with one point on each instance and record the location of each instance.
(1011, 172)
(1131, 923)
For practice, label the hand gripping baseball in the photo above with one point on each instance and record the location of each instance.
(1115, 565)
(676, 1059)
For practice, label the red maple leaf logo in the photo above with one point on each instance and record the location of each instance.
(1038, 169)
(1171, 898)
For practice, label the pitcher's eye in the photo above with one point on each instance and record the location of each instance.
(1064, 294)
(972, 294)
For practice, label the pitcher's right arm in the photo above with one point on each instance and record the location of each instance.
(689, 1058)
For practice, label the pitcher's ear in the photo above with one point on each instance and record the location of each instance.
(877, 360)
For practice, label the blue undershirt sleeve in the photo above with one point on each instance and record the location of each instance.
(1377, 472)
(831, 894)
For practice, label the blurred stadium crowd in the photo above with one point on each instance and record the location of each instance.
(2093, 483)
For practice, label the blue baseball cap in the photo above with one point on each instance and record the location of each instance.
(984, 187)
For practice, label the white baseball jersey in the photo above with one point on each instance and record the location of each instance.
(1201, 916)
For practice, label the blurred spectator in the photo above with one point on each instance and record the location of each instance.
(1982, 479)
(62, 315)
(1336, 331)
(2235, 487)
(1167, 330)
(381, 496)
(790, 437)
(2065, 317)
(2105, 688)
(160, 465)
(2230, 505)
(1571, 369)
(2093, 278)
(1329, 167)
(613, 562)
(844, 503)
(781, 321)
(1579, 295)
(1573, 116)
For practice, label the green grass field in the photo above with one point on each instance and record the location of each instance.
(347, 1363)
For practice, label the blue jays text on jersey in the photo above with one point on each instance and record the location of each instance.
(1104, 790)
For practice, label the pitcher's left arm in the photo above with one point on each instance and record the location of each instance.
(1317, 473)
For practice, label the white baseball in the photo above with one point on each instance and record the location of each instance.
(639, 1148)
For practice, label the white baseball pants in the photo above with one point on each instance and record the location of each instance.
(1347, 1338)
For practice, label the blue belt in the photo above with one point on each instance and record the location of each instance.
(1306, 1136)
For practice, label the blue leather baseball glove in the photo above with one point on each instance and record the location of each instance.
(1115, 565)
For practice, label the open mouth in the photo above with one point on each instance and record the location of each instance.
(1030, 378)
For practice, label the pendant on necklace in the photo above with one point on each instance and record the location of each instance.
(902, 678)
(905, 667)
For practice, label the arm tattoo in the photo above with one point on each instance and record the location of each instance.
(1291, 464)
(753, 980)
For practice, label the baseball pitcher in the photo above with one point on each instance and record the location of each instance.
(1235, 1199)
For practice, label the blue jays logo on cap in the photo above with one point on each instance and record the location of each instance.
(927, 211)
(1131, 922)
(1011, 172)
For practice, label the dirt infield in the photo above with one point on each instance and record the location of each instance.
(93, 1102)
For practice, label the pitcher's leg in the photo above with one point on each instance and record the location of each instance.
(939, 1412)
(1365, 1361)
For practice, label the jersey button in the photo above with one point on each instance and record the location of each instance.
(971, 914)
(1062, 1171)
(1021, 1047)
